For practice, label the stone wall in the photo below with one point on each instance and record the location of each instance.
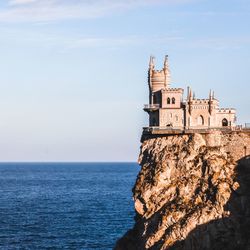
(173, 117)
(192, 193)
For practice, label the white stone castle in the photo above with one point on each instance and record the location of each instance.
(168, 110)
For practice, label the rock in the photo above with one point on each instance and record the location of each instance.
(193, 192)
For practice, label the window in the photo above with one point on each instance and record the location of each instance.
(224, 122)
(200, 120)
(168, 100)
(173, 100)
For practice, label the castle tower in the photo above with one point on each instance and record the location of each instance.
(163, 100)
(166, 72)
(158, 79)
(150, 73)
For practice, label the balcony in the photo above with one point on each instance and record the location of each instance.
(151, 107)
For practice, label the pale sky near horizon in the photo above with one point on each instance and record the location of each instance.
(73, 76)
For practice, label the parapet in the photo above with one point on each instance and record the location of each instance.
(226, 110)
(200, 101)
(203, 101)
(179, 90)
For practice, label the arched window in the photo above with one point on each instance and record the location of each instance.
(173, 100)
(224, 122)
(168, 101)
(200, 120)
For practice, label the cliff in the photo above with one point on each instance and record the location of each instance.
(193, 192)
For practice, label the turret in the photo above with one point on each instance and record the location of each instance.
(151, 63)
(159, 79)
(210, 102)
(189, 99)
(150, 70)
(150, 73)
(166, 72)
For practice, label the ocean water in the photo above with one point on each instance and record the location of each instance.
(64, 205)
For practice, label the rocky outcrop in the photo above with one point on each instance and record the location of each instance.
(193, 192)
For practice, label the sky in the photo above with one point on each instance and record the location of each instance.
(73, 78)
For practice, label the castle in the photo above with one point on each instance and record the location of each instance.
(168, 110)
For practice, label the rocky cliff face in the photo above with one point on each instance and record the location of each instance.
(193, 192)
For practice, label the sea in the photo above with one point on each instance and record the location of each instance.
(65, 205)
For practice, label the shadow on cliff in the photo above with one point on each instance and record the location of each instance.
(231, 232)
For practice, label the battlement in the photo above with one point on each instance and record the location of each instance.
(174, 90)
(203, 101)
(158, 72)
(200, 101)
(226, 110)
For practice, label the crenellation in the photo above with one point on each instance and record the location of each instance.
(175, 89)
(226, 110)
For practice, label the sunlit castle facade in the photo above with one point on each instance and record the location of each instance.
(167, 109)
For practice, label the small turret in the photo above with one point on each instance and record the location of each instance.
(166, 72)
(151, 63)
(158, 79)
(190, 94)
(210, 102)
(150, 72)
(189, 99)
(166, 66)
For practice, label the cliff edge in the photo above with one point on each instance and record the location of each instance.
(193, 192)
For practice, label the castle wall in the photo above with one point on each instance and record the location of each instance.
(172, 118)
(177, 94)
(203, 114)
(200, 116)
(230, 115)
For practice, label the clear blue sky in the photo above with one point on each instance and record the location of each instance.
(73, 75)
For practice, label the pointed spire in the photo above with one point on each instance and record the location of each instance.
(190, 94)
(166, 66)
(189, 99)
(213, 95)
(166, 72)
(210, 95)
(151, 62)
(210, 102)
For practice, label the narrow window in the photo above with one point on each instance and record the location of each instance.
(173, 100)
(168, 100)
(200, 120)
(224, 122)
